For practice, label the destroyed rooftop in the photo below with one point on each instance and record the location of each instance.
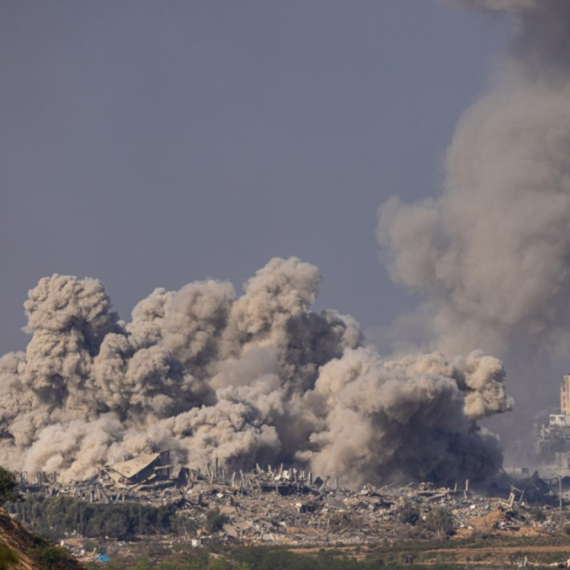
(134, 466)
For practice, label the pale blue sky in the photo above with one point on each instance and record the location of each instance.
(153, 143)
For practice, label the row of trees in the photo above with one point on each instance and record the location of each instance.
(56, 516)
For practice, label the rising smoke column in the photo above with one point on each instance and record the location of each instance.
(256, 378)
(491, 254)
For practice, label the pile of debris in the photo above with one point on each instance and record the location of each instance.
(290, 506)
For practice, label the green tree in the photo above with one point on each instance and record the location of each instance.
(8, 486)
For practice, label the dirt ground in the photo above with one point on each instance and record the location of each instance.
(486, 543)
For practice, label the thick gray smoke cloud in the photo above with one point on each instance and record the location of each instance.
(257, 378)
(491, 254)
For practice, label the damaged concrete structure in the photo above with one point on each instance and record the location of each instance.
(144, 469)
(276, 505)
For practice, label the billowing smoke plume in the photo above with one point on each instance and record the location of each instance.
(255, 378)
(492, 254)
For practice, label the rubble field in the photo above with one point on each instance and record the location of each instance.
(507, 520)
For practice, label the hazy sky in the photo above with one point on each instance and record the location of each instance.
(153, 143)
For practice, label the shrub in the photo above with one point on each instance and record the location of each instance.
(215, 521)
(142, 565)
(49, 556)
(409, 514)
(440, 520)
(339, 521)
(218, 564)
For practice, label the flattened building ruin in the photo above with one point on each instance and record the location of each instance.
(148, 468)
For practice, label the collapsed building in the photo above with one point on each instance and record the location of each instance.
(277, 505)
(145, 469)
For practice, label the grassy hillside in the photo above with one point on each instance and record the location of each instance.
(32, 552)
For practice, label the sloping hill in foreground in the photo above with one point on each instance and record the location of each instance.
(33, 553)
